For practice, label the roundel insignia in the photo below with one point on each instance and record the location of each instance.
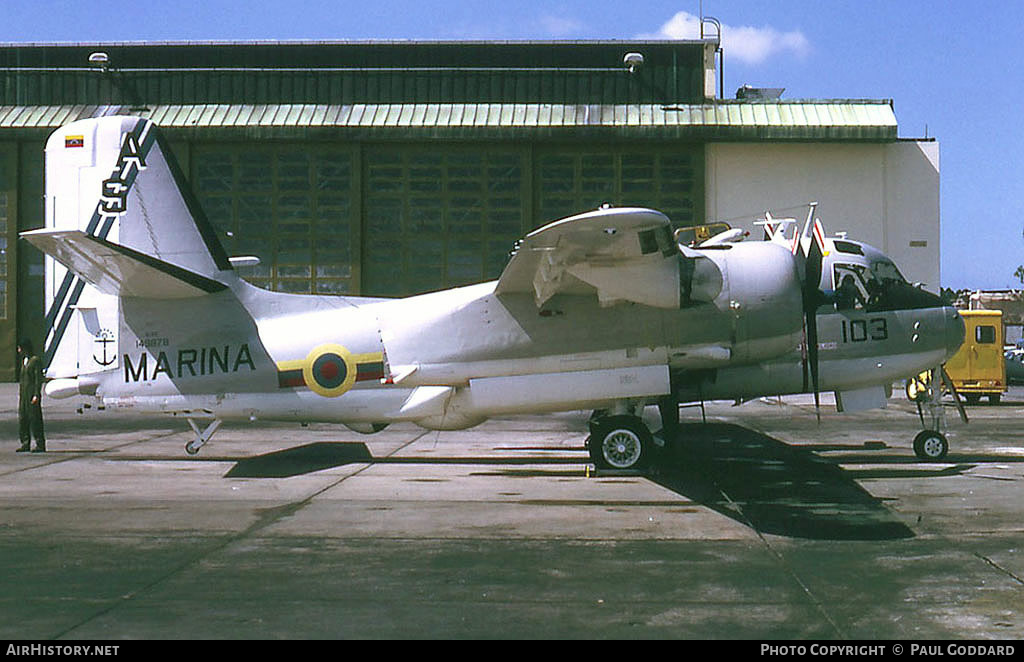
(329, 370)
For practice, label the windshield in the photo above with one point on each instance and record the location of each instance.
(884, 271)
(876, 288)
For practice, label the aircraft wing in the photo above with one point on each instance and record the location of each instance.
(119, 270)
(619, 254)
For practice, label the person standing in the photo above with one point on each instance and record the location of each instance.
(30, 400)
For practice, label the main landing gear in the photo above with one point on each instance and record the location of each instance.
(619, 442)
(620, 439)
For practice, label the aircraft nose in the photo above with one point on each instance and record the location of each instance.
(955, 331)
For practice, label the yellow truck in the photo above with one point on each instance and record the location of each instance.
(979, 368)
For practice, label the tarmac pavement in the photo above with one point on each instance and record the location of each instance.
(766, 525)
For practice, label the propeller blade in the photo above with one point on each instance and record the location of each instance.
(812, 355)
(812, 360)
(812, 299)
(808, 256)
(803, 355)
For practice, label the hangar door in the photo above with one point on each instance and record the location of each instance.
(440, 217)
(399, 219)
(571, 180)
(295, 206)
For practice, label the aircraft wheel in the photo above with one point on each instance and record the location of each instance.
(930, 445)
(620, 442)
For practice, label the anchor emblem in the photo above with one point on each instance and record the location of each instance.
(105, 337)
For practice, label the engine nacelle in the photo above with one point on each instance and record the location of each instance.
(765, 298)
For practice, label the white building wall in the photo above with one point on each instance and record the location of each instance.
(885, 194)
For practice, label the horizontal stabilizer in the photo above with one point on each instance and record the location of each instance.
(118, 270)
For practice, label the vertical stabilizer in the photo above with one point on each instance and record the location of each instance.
(115, 179)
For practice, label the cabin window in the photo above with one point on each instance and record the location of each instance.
(985, 334)
(848, 247)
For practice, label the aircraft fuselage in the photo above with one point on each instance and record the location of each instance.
(451, 359)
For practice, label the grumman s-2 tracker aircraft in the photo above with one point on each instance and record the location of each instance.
(604, 311)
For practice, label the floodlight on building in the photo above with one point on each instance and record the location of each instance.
(633, 61)
(99, 59)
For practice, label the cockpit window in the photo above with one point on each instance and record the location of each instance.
(877, 287)
(884, 271)
(851, 286)
(848, 247)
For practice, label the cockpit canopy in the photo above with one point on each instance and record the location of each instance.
(862, 278)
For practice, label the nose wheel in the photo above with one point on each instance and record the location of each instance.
(930, 445)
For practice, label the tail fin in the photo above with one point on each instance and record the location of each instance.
(113, 178)
(775, 228)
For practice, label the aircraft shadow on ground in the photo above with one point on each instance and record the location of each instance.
(746, 475)
(322, 455)
(301, 460)
(773, 487)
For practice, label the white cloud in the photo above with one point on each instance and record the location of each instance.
(746, 43)
(556, 26)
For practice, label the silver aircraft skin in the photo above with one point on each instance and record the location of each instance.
(602, 311)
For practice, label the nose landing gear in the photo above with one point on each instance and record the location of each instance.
(925, 391)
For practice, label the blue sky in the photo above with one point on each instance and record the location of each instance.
(952, 69)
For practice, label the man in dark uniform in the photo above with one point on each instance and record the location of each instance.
(848, 295)
(30, 401)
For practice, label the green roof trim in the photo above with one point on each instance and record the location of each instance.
(845, 119)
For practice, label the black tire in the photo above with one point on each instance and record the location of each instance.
(993, 398)
(972, 398)
(930, 445)
(620, 442)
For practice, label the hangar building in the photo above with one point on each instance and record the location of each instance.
(392, 168)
